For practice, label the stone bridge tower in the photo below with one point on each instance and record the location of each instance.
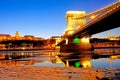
(73, 21)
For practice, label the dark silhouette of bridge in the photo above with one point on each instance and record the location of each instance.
(107, 19)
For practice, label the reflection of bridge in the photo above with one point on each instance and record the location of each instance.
(80, 26)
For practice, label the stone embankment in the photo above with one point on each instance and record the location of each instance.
(57, 73)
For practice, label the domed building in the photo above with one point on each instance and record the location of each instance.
(17, 41)
(18, 37)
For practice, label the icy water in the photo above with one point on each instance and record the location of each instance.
(99, 58)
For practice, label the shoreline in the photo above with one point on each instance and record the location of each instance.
(30, 49)
(27, 49)
(57, 73)
(108, 47)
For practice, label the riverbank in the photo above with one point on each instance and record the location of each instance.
(26, 49)
(56, 73)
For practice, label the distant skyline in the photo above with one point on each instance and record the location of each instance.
(45, 18)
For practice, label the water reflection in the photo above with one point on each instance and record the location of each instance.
(86, 59)
(77, 59)
(99, 58)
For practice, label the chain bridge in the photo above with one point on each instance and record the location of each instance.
(81, 26)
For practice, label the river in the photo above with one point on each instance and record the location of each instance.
(99, 58)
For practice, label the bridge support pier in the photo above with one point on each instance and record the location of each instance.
(76, 44)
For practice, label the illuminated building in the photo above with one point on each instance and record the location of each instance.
(57, 39)
(2, 46)
(112, 37)
(29, 37)
(18, 41)
(4, 37)
(17, 36)
(2, 56)
(106, 44)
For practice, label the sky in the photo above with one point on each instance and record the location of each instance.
(45, 18)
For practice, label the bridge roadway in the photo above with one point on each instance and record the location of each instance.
(99, 24)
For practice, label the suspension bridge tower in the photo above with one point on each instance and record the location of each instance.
(73, 22)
